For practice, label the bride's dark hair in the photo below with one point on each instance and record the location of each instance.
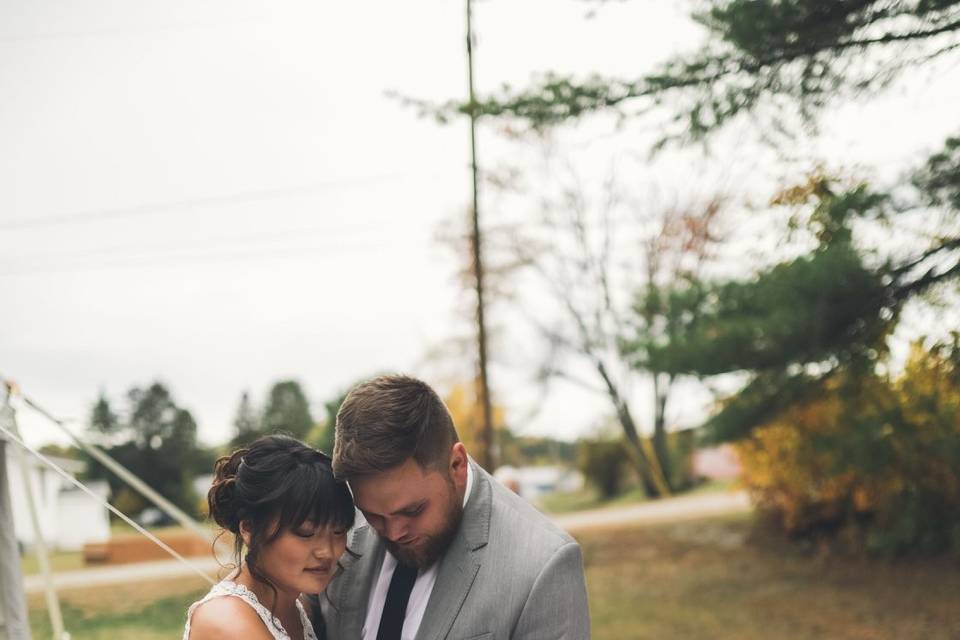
(274, 485)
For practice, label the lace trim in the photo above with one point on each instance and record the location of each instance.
(231, 588)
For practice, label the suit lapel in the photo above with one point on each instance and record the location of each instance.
(359, 575)
(460, 564)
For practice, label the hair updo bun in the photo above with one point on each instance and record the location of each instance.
(276, 484)
(221, 499)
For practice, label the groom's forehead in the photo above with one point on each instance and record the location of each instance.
(385, 485)
(394, 489)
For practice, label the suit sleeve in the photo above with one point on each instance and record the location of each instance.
(556, 608)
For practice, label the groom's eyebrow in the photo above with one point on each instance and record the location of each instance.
(405, 510)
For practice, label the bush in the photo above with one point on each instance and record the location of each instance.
(680, 448)
(604, 464)
(129, 502)
(872, 463)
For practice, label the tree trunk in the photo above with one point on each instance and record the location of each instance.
(650, 471)
(660, 446)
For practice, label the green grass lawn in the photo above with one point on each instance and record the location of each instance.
(714, 579)
(710, 579)
(59, 561)
(148, 611)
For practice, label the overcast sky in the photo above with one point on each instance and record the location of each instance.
(220, 194)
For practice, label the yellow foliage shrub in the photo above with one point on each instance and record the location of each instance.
(875, 460)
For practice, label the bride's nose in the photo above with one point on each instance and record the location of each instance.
(323, 548)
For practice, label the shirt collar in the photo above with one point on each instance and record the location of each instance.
(466, 493)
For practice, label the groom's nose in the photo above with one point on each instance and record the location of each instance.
(394, 529)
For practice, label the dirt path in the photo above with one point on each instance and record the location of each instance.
(121, 574)
(669, 510)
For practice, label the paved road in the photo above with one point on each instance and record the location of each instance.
(670, 510)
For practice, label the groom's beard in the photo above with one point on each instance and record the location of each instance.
(433, 546)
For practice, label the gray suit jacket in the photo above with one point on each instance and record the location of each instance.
(509, 574)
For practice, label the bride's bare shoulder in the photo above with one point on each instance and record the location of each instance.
(227, 617)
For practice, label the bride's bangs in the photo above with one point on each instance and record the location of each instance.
(315, 496)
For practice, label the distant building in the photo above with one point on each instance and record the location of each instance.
(69, 518)
(533, 483)
(202, 484)
(716, 463)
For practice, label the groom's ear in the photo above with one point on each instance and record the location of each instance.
(458, 464)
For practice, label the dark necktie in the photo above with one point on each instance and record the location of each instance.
(395, 608)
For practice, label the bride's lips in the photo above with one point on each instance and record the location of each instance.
(318, 570)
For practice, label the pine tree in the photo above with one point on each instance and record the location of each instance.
(287, 410)
(246, 423)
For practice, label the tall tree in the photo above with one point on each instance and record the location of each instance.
(102, 418)
(287, 410)
(587, 252)
(798, 324)
(762, 57)
(680, 247)
(768, 59)
(246, 422)
(157, 440)
(780, 63)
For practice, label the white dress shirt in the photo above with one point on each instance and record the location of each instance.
(419, 596)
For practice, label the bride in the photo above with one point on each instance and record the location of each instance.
(290, 516)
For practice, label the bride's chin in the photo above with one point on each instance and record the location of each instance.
(317, 582)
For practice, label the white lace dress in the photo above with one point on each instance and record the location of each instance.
(232, 589)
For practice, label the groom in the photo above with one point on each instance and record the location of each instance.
(448, 552)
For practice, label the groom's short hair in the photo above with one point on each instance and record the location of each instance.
(387, 420)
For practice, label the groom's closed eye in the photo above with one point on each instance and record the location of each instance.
(410, 511)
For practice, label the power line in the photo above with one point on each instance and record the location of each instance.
(257, 239)
(123, 31)
(192, 203)
(280, 253)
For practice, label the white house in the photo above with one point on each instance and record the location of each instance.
(202, 484)
(69, 518)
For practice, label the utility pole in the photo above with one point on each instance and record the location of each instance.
(486, 436)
